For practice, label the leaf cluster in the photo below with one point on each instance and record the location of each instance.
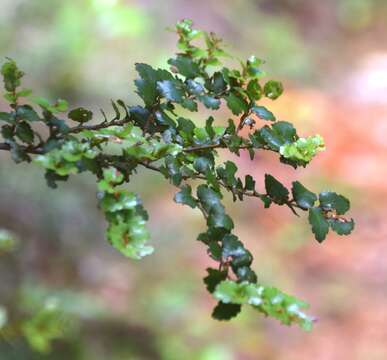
(153, 135)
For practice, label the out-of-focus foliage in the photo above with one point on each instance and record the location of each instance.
(7, 241)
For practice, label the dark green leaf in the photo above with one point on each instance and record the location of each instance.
(147, 90)
(190, 105)
(147, 85)
(210, 201)
(202, 164)
(341, 227)
(227, 173)
(219, 219)
(320, 226)
(332, 201)
(278, 134)
(80, 115)
(244, 273)
(194, 87)
(26, 112)
(163, 119)
(209, 128)
(18, 154)
(236, 104)
(263, 113)
(24, 132)
(249, 183)
(213, 278)
(210, 102)
(173, 169)
(231, 246)
(277, 192)
(171, 90)
(304, 198)
(7, 117)
(217, 84)
(224, 311)
(185, 66)
(184, 196)
(7, 131)
(52, 177)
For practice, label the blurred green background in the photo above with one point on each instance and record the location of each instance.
(332, 58)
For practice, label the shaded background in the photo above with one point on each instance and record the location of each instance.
(332, 58)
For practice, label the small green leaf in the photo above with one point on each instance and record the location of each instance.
(52, 177)
(263, 113)
(202, 164)
(26, 112)
(304, 198)
(254, 90)
(80, 115)
(224, 311)
(249, 183)
(127, 233)
(194, 87)
(11, 75)
(213, 278)
(210, 102)
(190, 105)
(278, 134)
(59, 106)
(7, 117)
(253, 64)
(273, 89)
(332, 201)
(146, 90)
(277, 192)
(185, 66)
(341, 227)
(146, 86)
(184, 196)
(210, 201)
(320, 225)
(217, 84)
(236, 104)
(7, 131)
(24, 93)
(171, 90)
(24, 132)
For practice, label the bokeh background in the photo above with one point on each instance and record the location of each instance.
(332, 57)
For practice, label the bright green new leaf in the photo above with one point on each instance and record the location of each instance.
(273, 89)
(304, 149)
